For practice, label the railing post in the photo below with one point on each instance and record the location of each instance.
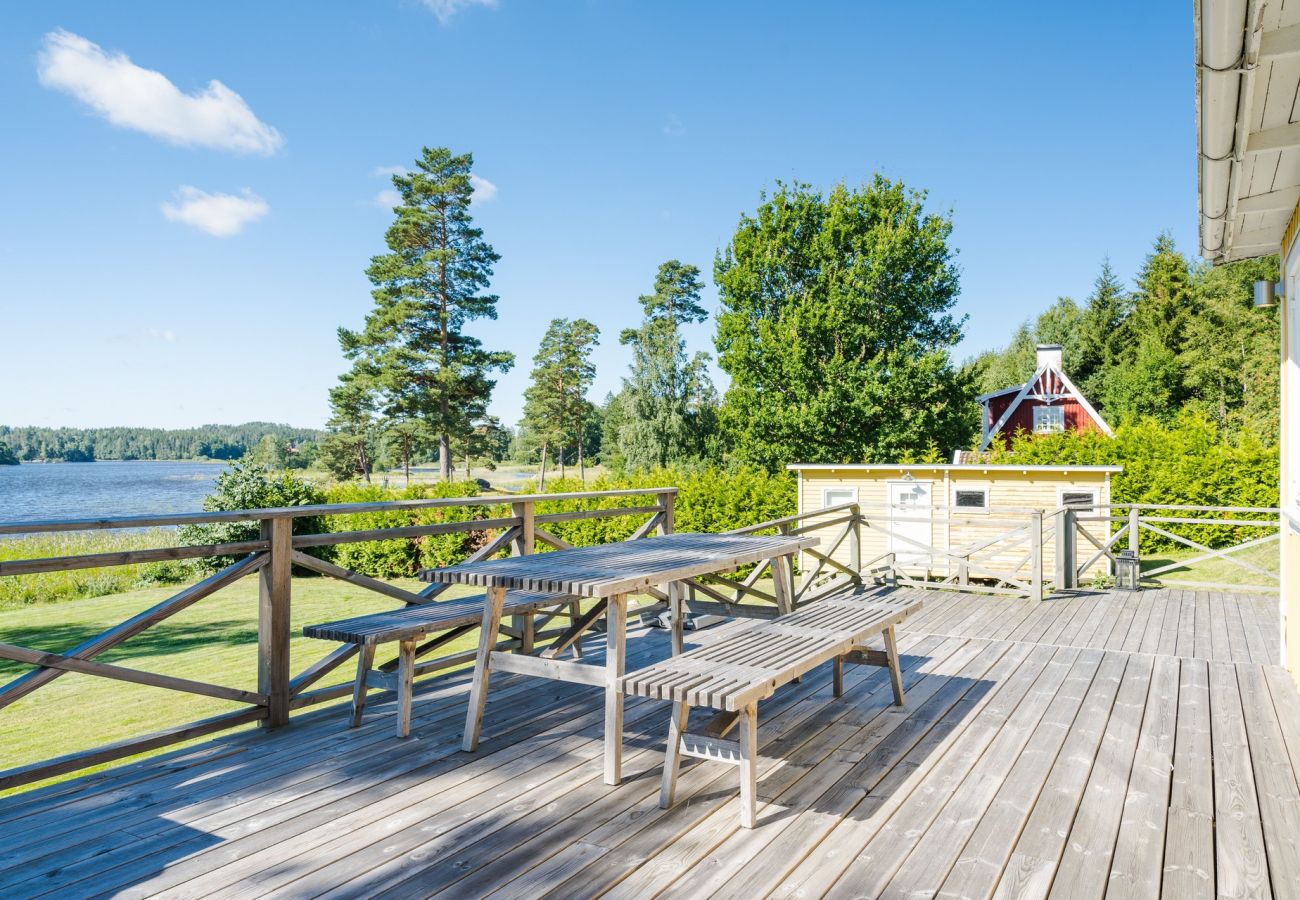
(666, 501)
(1036, 554)
(526, 543)
(855, 545)
(273, 620)
(1134, 539)
(1067, 542)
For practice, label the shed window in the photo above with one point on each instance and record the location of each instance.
(1082, 500)
(1049, 419)
(971, 498)
(838, 496)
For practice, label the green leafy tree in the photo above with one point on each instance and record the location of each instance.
(556, 408)
(404, 439)
(272, 453)
(7, 455)
(348, 450)
(836, 328)
(1103, 332)
(431, 283)
(668, 406)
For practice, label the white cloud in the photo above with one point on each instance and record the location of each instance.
(484, 190)
(446, 10)
(144, 100)
(161, 334)
(221, 215)
(388, 171)
(673, 127)
(388, 199)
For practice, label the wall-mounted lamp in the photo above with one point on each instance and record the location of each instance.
(1267, 292)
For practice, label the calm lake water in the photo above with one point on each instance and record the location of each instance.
(88, 490)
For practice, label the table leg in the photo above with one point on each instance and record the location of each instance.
(496, 601)
(783, 585)
(615, 658)
(405, 686)
(677, 614)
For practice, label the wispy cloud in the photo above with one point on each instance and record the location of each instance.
(673, 127)
(161, 334)
(484, 190)
(389, 171)
(388, 199)
(220, 215)
(446, 10)
(144, 100)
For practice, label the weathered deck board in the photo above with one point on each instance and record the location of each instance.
(1045, 748)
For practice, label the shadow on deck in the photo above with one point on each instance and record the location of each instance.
(1067, 742)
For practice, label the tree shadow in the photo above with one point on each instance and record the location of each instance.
(164, 639)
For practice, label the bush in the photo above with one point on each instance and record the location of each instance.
(403, 558)
(242, 486)
(1188, 463)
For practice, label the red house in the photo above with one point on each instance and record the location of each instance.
(1047, 403)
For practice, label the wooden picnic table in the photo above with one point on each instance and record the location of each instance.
(607, 573)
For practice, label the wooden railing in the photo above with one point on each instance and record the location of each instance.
(1075, 542)
(272, 556)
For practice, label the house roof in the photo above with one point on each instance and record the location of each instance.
(1248, 147)
(1042, 384)
(940, 467)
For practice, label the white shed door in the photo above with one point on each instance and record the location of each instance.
(910, 521)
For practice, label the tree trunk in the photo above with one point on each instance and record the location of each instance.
(541, 481)
(468, 474)
(406, 461)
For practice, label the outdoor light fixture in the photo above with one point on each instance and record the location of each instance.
(1266, 293)
(1128, 572)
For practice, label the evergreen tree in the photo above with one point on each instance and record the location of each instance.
(404, 439)
(668, 404)
(431, 283)
(348, 451)
(555, 405)
(1103, 331)
(836, 328)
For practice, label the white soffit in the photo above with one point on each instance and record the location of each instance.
(1247, 124)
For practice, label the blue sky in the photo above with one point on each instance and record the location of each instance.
(615, 134)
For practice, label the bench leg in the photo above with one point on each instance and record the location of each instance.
(748, 765)
(895, 671)
(837, 676)
(523, 626)
(405, 686)
(365, 659)
(615, 653)
(575, 612)
(673, 753)
(487, 642)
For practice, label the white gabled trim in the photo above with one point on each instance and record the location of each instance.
(1072, 392)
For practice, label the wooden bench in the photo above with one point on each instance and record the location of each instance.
(448, 619)
(734, 674)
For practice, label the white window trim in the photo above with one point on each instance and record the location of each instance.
(826, 491)
(1062, 491)
(988, 502)
(1052, 430)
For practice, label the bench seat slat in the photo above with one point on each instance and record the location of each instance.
(414, 622)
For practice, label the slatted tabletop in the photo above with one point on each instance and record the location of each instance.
(608, 569)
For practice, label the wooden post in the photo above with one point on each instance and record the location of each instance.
(748, 765)
(478, 688)
(855, 545)
(524, 545)
(673, 753)
(1036, 554)
(666, 501)
(1067, 542)
(783, 585)
(273, 621)
(1134, 539)
(615, 661)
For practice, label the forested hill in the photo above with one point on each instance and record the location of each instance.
(204, 442)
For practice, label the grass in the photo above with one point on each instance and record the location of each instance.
(1218, 571)
(47, 587)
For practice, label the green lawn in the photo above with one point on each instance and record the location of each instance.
(215, 640)
(1218, 571)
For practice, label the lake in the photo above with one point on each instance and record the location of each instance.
(106, 488)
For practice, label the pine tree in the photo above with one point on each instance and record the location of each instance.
(555, 405)
(431, 283)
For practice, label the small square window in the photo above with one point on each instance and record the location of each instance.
(971, 499)
(1049, 419)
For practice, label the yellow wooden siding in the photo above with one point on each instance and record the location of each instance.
(1011, 494)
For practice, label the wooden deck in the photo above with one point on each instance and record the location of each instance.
(1096, 745)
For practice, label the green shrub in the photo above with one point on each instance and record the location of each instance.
(242, 486)
(402, 558)
(1188, 463)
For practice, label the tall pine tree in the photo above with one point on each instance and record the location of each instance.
(431, 283)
